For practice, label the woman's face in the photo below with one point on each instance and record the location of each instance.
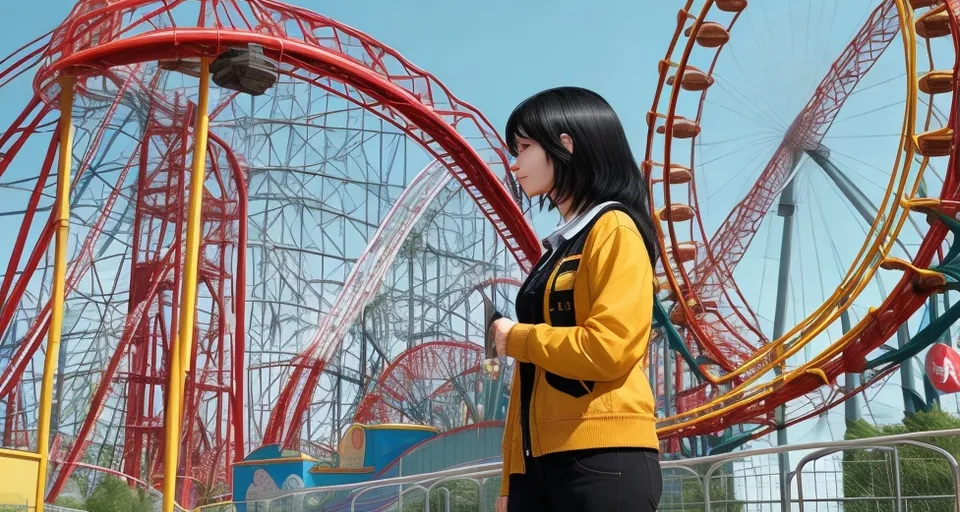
(534, 171)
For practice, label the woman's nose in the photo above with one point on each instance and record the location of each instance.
(515, 167)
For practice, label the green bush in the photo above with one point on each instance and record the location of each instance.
(922, 471)
(113, 495)
(69, 502)
(464, 497)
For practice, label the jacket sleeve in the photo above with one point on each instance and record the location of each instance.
(614, 337)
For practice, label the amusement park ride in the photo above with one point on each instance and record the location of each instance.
(322, 301)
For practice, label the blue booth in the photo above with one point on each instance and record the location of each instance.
(364, 452)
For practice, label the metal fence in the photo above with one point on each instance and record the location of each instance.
(902, 473)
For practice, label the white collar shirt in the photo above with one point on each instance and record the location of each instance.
(567, 230)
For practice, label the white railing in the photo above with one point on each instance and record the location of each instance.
(781, 499)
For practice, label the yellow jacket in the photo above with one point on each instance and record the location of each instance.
(587, 347)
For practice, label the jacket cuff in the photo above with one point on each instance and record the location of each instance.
(505, 484)
(517, 342)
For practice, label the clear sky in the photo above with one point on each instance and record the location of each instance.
(493, 54)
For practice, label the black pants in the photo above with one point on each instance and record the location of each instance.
(601, 480)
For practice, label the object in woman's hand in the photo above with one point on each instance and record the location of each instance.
(489, 348)
(491, 368)
(491, 365)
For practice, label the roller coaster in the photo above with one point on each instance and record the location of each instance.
(237, 224)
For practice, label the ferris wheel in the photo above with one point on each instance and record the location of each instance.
(842, 149)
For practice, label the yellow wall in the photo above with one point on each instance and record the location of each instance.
(19, 477)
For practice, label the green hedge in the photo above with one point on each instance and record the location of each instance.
(464, 496)
(922, 471)
(113, 495)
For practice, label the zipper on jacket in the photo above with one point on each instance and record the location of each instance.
(529, 310)
(527, 377)
(533, 408)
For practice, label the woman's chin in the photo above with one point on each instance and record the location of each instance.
(530, 194)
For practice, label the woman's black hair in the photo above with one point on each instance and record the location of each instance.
(601, 167)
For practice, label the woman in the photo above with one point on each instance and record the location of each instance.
(580, 432)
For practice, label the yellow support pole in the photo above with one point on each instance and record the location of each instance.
(182, 345)
(59, 284)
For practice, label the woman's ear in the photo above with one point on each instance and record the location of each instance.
(567, 142)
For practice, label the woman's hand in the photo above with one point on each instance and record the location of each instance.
(502, 504)
(500, 328)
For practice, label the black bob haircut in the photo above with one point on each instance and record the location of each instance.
(601, 168)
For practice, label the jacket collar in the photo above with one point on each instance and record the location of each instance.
(567, 230)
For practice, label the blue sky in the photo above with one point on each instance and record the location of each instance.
(493, 54)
